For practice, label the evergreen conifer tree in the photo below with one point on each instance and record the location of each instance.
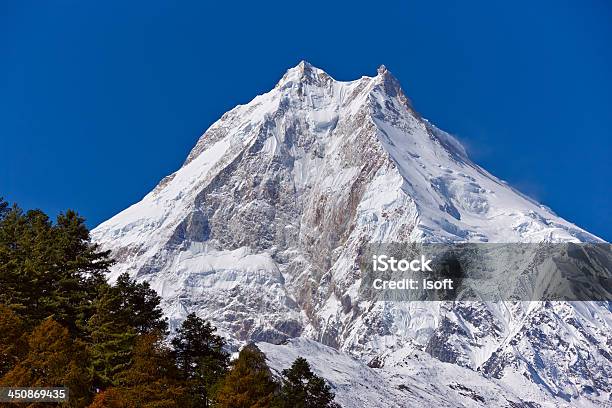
(122, 312)
(49, 270)
(112, 338)
(200, 357)
(140, 305)
(79, 270)
(303, 389)
(150, 381)
(26, 258)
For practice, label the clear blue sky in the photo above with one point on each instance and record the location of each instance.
(100, 100)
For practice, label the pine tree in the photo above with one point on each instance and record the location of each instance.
(122, 312)
(80, 270)
(26, 257)
(49, 270)
(13, 344)
(111, 336)
(141, 305)
(303, 389)
(200, 357)
(150, 381)
(248, 383)
(53, 359)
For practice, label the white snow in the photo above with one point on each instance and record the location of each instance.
(306, 174)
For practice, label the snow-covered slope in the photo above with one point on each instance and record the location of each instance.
(415, 380)
(259, 230)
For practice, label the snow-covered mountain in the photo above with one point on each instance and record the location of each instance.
(259, 230)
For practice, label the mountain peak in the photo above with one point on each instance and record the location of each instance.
(390, 85)
(304, 72)
(260, 230)
(305, 65)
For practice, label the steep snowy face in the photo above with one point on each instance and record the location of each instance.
(308, 139)
(276, 180)
(260, 228)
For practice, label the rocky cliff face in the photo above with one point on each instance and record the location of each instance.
(260, 228)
